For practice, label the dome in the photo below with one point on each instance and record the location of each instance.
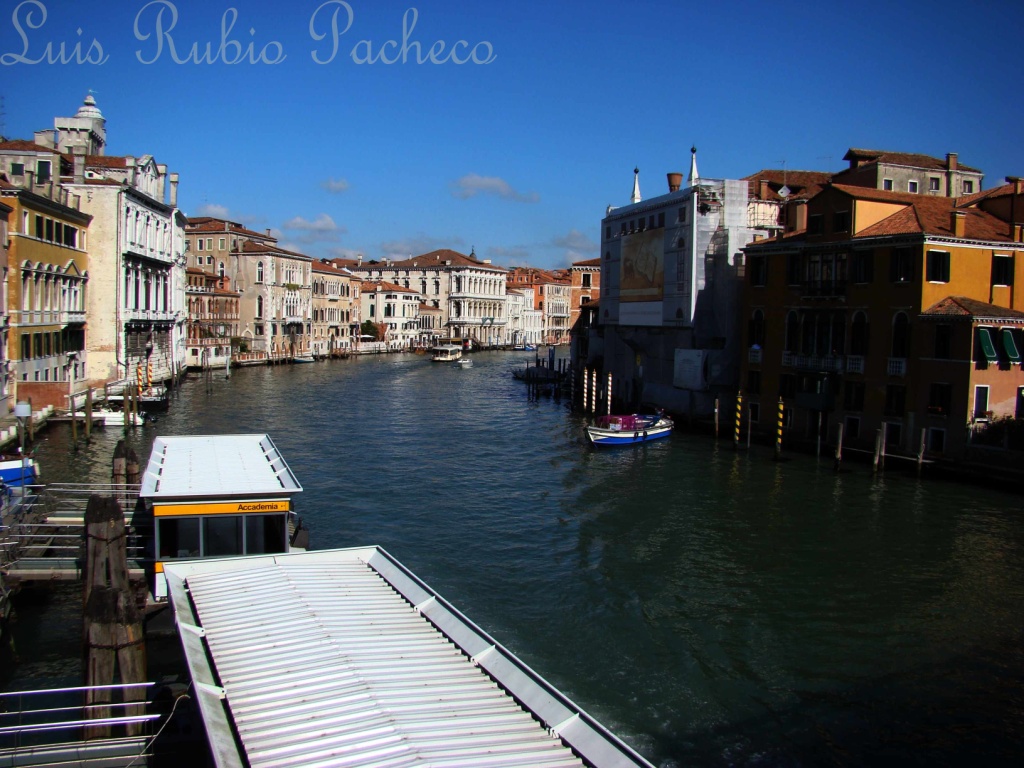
(89, 109)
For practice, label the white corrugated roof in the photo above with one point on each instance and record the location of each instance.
(345, 658)
(216, 465)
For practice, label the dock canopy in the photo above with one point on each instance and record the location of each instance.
(345, 658)
(216, 465)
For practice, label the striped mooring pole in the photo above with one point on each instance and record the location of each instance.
(739, 416)
(778, 434)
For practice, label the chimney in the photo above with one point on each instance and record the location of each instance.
(957, 221)
(79, 164)
(675, 180)
(174, 190)
(268, 231)
(129, 163)
(762, 193)
(951, 161)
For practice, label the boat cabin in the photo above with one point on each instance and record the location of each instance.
(446, 353)
(217, 496)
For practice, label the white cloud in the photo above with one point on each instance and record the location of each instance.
(575, 241)
(322, 229)
(214, 210)
(322, 223)
(335, 185)
(473, 184)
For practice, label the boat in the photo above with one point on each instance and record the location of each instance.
(15, 473)
(530, 347)
(628, 429)
(446, 353)
(464, 362)
(305, 358)
(108, 417)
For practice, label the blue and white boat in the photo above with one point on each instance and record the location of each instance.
(629, 429)
(16, 473)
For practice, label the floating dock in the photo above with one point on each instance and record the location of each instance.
(345, 658)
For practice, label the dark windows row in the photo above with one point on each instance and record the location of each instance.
(826, 273)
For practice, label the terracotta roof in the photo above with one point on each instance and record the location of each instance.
(23, 145)
(932, 216)
(902, 158)
(588, 263)
(384, 285)
(249, 246)
(432, 259)
(802, 184)
(105, 161)
(204, 224)
(964, 307)
(328, 269)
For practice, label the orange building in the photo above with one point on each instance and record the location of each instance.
(585, 282)
(888, 311)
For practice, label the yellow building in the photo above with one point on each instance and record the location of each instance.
(890, 314)
(48, 264)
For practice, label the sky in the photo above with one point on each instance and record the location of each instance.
(390, 129)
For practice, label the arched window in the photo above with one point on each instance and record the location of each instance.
(900, 336)
(259, 272)
(259, 306)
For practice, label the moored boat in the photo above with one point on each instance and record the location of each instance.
(628, 429)
(15, 473)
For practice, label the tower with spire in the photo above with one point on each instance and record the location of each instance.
(636, 187)
(693, 178)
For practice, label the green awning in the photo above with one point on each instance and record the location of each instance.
(985, 337)
(1009, 345)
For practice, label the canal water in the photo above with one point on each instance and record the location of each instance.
(711, 607)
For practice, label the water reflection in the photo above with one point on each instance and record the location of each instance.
(684, 592)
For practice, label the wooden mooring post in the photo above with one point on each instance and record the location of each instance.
(839, 447)
(88, 414)
(112, 623)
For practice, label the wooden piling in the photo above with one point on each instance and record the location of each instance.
(881, 455)
(112, 629)
(88, 414)
(920, 451)
(876, 463)
(839, 447)
(716, 418)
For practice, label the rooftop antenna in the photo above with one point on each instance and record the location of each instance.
(785, 191)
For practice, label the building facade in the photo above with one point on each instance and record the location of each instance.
(670, 288)
(585, 286)
(394, 309)
(335, 316)
(45, 291)
(470, 292)
(136, 259)
(892, 315)
(212, 320)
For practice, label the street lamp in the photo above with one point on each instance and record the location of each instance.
(22, 411)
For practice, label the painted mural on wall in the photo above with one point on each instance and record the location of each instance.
(643, 266)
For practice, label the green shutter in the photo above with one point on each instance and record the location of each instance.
(985, 337)
(1009, 345)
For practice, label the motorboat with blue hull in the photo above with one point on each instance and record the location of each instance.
(629, 429)
(19, 472)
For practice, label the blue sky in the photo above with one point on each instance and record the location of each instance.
(518, 153)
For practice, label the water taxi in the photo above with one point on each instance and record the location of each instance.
(217, 496)
(446, 353)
